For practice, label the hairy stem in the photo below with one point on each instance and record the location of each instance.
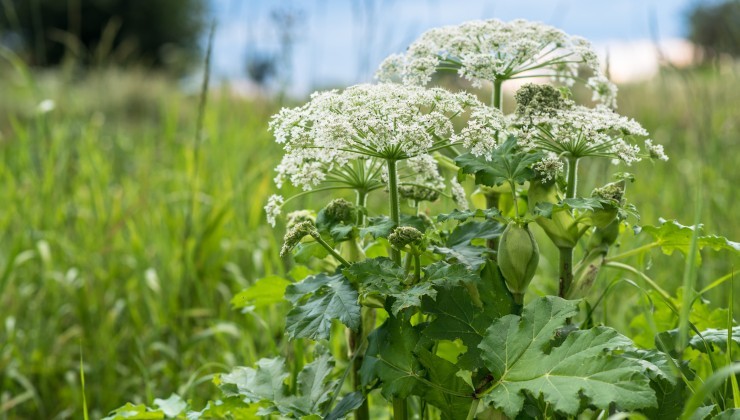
(361, 204)
(395, 205)
(417, 268)
(492, 199)
(566, 270)
(496, 95)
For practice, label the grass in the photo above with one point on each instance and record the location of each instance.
(96, 260)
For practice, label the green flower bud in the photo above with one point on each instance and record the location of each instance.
(562, 228)
(518, 255)
(405, 235)
(613, 192)
(604, 235)
(341, 210)
(533, 98)
(417, 193)
(295, 234)
(299, 216)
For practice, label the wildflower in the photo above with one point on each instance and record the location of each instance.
(273, 208)
(326, 139)
(492, 50)
(458, 194)
(549, 167)
(563, 128)
(655, 151)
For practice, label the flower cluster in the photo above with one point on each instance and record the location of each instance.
(579, 131)
(386, 121)
(492, 50)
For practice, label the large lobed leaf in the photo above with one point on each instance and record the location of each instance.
(318, 301)
(519, 353)
(508, 163)
(673, 236)
(265, 385)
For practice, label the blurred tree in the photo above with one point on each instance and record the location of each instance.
(161, 33)
(715, 28)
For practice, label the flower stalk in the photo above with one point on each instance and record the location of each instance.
(395, 207)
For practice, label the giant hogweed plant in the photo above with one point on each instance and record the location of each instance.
(434, 308)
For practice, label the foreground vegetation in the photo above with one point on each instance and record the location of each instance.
(123, 239)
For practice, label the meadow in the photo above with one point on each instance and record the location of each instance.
(124, 235)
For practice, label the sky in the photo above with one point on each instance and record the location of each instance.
(341, 42)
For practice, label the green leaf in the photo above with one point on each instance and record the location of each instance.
(381, 226)
(265, 385)
(349, 403)
(305, 252)
(518, 352)
(462, 216)
(411, 297)
(172, 406)
(389, 358)
(471, 256)
(264, 292)
(442, 273)
(546, 209)
(377, 275)
(134, 412)
(330, 297)
(507, 163)
(730, 414)
(714, 337)
(466, 232)
(672, 236)
(464, 311)
(231, 408)
(442, 372)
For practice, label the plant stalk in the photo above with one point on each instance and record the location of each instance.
(395, 205)
(566, 253)
(400, 409)
(496, 95)
(473, 409)
(492, 200)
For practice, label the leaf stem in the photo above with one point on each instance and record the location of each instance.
(635, 251)
(473, 409)
(328, 247)
(417, 268)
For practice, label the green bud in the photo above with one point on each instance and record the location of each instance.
(532, 98)
(299, 216)
(341, 210)
(295, 234)
(518, 255)
(614, 193)
(405, 235)
(562, 228)
(417, 193)
(606, 235)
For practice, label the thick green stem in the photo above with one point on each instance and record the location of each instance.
(492, 199)
(355, 342)
(473, 409)
(417, 268)
(496, 99)
(566, 253)
(395, 205)
(516, 202)
(571, 189)
(361, 204)
(566, 271)
(400, 409)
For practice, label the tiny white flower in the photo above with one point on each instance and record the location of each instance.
(45, 106)
(274, 208)
(459, 195)
(549, 167)
(655, 151)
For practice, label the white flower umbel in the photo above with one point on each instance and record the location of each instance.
(577, 131)
(495, 51)
(459, 195)
(274, 208)
(549, 167)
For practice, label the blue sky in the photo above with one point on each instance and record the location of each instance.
(340, 42)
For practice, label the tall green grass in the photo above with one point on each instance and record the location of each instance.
(94, 203)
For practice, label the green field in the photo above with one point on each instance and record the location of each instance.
(123, 236)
